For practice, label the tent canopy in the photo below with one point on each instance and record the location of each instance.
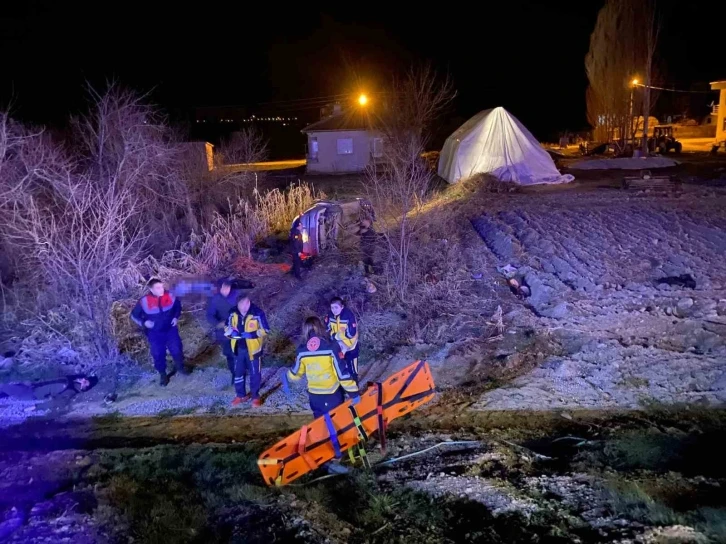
(495, 142)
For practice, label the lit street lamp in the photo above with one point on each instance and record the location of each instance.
(630, 120)
(362, 100)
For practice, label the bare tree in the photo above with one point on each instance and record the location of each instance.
(399, 185)
(246, 146)
(76, 215)
(622, 48)
(651, 26)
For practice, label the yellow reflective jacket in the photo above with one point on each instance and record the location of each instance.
(255, 321)
(344, 329)
(318, 361)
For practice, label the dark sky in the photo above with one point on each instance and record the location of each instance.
(524, 55)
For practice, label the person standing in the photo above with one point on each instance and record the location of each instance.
(218, 310)
(158, 314)
(328, 382)
(247, 328)
(368, 239)
(343, 328)
(297, 246)
(318, 360)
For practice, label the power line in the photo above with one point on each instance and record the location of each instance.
(672, 90)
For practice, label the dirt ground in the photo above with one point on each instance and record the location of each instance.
(541, 382)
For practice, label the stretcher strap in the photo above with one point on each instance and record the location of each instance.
(333, 434)
(363, 456)
(381, 419)
(301, 448)
(358, 424)
(280, 467)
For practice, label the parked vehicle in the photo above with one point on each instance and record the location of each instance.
(663, 140)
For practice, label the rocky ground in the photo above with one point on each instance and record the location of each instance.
(597, 329)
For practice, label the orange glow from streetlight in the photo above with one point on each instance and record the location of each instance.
(635, 82)
(362, 100)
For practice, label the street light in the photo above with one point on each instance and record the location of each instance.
(362, 100)
(630, 121)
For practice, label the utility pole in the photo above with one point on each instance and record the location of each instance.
(630, 118)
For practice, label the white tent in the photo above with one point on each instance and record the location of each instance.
(496, 143)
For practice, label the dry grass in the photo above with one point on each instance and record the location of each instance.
(277, 209)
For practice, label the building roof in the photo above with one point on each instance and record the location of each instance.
(347, 120)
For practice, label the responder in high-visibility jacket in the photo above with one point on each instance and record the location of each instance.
(343, 329)
(319, 362)
(247, 328)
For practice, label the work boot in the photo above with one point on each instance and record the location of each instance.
(163, 380)
(240, 400)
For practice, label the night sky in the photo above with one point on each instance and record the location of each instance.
(524, 56)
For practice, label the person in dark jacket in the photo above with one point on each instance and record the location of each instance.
(296, 247)
(218, 310)
(343, 328)
(368, 240)
(247, 329)
(158, 314)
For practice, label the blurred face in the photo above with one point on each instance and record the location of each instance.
(336, 308)
(243, 306)
(299, 227)
(225, 289)
(157, 289)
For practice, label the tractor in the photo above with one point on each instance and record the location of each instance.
(663, 140)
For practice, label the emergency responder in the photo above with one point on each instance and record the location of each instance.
(158, 314)
(343, 329)
(296, 247)
(319, 362)
(247, 328)
(218, 310)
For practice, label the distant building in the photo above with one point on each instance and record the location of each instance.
(342, 142)
(198, 156)
(720, 110)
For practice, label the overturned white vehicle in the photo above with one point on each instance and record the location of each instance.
(326, 222)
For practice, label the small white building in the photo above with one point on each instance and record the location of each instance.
(342, 143)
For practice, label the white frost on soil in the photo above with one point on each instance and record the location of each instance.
(493, 494)
(593, 262)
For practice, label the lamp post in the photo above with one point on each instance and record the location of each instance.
(630, 117)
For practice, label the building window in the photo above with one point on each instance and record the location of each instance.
(313, 151)
(345, 146)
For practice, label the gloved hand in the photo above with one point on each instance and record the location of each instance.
(286, 385)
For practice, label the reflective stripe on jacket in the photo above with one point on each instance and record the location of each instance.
(254, 321)
(161, 311)
(344, 328)
(318, 361)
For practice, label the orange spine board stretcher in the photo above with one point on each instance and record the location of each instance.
(311, 446)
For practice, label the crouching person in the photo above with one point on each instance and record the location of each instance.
(157, 313)
(328, 381)
(247, 328)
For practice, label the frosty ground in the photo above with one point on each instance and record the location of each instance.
(598, 335)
